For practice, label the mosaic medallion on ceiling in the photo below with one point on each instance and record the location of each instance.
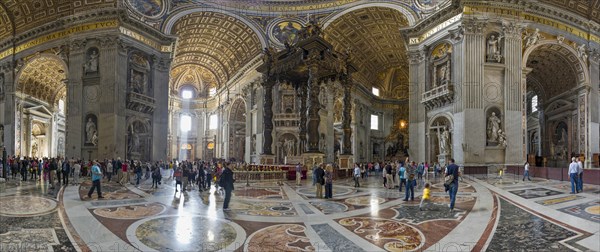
(284, 31)
(148, 8)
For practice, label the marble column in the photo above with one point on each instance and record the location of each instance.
(347, 115)
(160, 126)
(594, 106)
(303, 93)
(514, 96)
(7, 71)
(330, 134)
(312, 125)
(416, 87)
(74, 121)
(248, 131)
(472, 98)
(268, 84)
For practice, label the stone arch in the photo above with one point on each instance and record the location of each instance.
(435, 127)
(579, 67)
(237, 129)
(410, 15)
(42, 76)
(174, 17)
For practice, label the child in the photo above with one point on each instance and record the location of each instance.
(425, 197)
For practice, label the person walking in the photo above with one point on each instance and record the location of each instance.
(401, 173)
(388, 176)
(410, 182)
(109, 169)
(425, 197)
(329, 181)
(66, 171)
(580, 176)
(574, 175)
(319, 175)
(76, 172)
(96, 177)
(298, 174)
(452, 170)
(356, 175)
(526, 172)
(226, 182)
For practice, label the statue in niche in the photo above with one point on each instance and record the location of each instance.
(289, 147)
(95, 139)
(34, 149)
(253, 143)
(61, 146)
(563, 136)
(443, 74)
(91, 66)
(493, 127)
(90, 130)
(502, 138)
(134, 141)
(533, 38)
(137, 82)
(493, 48)
(444, 140)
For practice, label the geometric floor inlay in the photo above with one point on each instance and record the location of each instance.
(535, 193)
(25, 205)
(588, 211)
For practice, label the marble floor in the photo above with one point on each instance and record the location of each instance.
(491, 214)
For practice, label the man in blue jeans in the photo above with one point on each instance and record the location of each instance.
(574, 175)
(96, 177)
(410, 181)
(452, 169)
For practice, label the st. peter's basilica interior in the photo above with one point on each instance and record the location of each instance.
(507, 90)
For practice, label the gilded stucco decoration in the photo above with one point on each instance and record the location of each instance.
(193, 75)
(5, 24)
(218, 43)
(148, 8)
(373, 35)
(584, 8)
(43, 78)
(553, 67)
(29, 14)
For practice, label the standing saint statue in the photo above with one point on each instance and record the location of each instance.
(444, 138)
(289, 147)
(91, 66)
(34, 149)
(493, 127)
(90, 130)
(493, 48)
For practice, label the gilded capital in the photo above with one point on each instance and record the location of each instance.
(512, 30)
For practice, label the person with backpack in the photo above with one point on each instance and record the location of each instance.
(156, 177)
(451, 181)
(401, 172)
(410, 182)
(388, 176)
(66, 170)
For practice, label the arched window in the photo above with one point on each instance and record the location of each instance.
(375, 91)
(374, 122)
(186, 123)
(534, 103)
(213, 122)
(187, 94)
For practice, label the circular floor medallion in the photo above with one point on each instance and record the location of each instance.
(130, 212)
(593, 210)
(365, 201)
(26, 205)
(186, 233)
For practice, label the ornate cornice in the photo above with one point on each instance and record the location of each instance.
(473, 25)
(512, 30)
(416, 57)
(456, 35)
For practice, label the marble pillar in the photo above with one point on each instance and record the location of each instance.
(303, 95)
(160, 127)
(330, 134)
(416, 86)
(268, 84)
(74, 121)
(347, 116)
(7, 71)
(514, 96)
(594, 107)
(313, 120)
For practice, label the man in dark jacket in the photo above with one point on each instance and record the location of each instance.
(226, 181)
(453, 187)
(319, 175)
(66, 170)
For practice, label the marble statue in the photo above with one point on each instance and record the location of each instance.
(563, 136)
(493, 48)
(533, 38)
(582, 52)
(134, 141)
(493, 127)
(289, 147)
(34, 149)
(502, 138)
(444, 139)
(91, 66)
(90, 130)
(95, 139)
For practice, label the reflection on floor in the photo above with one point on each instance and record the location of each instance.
(491, 214)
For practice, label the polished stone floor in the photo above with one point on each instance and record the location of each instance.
(491, 214)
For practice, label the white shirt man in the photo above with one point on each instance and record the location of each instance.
(574, 175)
(356, 174)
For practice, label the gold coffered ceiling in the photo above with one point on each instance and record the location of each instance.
(195, 76)
(553, 69)
(28, 14)
(218, 43)
(43, 78)
(374, 38)
(585, 8)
